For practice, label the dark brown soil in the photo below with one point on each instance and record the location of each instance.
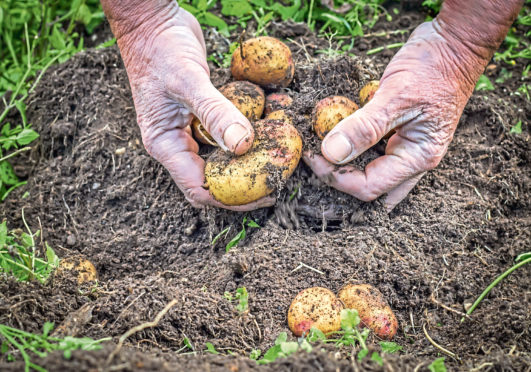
(95, 191)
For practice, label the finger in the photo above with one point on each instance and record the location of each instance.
(225, 123)
(380, 176)
(177, 152)
(397, 194)
(363, 129)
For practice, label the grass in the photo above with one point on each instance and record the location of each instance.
(21, 257)
(15, 342)
(246, 223)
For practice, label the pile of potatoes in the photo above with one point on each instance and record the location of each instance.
(321, 308)
(262, 62)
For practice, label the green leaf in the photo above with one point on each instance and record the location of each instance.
(362, 354)
(240, 236)
(47, 328)
(377, 358)
(21, 107)
(271, 355)
(517, 128)
(7, 174)
(5, 346)
(349, 319)
(211, 349)
(316, 334)
(390, 347)
(243, 297)
(84, 14)
(437, 365)
(251, 223)
(484, 84)
(213, 20)
(519, 258)
(53, 259)
(187, 343)
(255, 354)
(3, 234)
(237, 8)
(305, 345)
(289, 347)
(26, 136)
(282, 337)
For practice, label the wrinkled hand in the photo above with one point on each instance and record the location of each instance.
(422, 94)
(165, 59)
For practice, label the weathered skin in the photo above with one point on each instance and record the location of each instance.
(164, 54)
(422, 94)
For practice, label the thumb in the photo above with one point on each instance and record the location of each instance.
(363, 129)
(222, 120)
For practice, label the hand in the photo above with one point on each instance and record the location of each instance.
(422, 94)
(165, 58)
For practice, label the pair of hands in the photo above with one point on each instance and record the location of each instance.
(422, 94)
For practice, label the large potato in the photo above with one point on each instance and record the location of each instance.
(315, 307)
(237, 180)
(372, 308)
(329, 111)
(277, 101)
(368, 90)
(247, 97)
(263, 60)
(83, 268)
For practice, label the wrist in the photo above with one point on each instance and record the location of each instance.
(137, 17)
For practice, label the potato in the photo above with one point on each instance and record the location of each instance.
(237, 180)
(86, 272)
(247, 97)
(280, 115)
(277, 101)
(329, 112)
(368, 90)
(265, 61)
(315, 307)
(374, 312)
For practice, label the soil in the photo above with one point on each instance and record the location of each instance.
(94, 191)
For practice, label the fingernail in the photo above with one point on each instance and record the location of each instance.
(233, 135)
(337, 148)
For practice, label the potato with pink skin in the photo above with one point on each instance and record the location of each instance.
(265, 61)
(277, 101)
(329, 111)
(315, 307)
(372, 308)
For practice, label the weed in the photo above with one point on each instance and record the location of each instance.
(484, 84)
(281, 349)
(211, 349)
(15, 340)
(242, 296)
(520, 261)
(437, 365)
(241, 234)
(18, 255)
(515, 46)
(517, 128)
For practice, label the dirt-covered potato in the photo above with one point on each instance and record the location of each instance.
(85, 270)
(280, 115)
(372, 308)
(249, 98)
(277, 101)
(237, 180)
(315, 307)
(368, 90)
(329, 111)
(265, 61)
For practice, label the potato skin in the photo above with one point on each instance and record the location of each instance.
(266, 61)
(368, 90)
(329, 111)
(315, 307)
(281, 115)
(237, 180)
(201, 134)
(277, 101)
(86, 271)
(249, 98)
(372, 308)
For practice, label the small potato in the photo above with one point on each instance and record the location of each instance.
(237, 180)
(368, 90)
(265, 61)
(280, 115)
(247, 97)
(86, 272)
(372, 308)
(315, 307)
(277, 101)
(329, 112)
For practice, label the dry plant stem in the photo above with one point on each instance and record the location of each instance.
(139, 328)
(446, 351)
